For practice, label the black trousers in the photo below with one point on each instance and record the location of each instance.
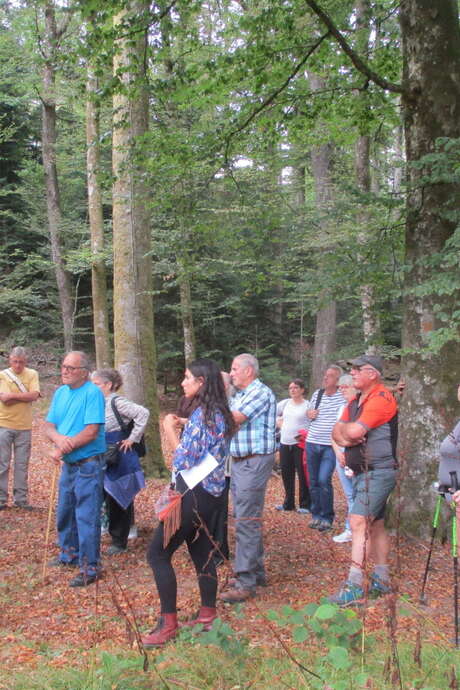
(198, 512)
(291, 463)
(219, 528)
(120, 521)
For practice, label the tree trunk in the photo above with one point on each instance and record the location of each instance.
(132, 291)
(325, 331)
(371, 322)
(431, 103)
(96, 224)
(187, 319)
(53, 204)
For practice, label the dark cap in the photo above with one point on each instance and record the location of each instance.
(373, 360)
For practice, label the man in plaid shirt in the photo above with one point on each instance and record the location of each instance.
(252, 449)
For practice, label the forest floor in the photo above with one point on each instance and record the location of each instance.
(303, 565)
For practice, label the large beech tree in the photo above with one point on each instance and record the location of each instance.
(430, 93)
(132, 272)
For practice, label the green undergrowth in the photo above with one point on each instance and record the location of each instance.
(319, 647)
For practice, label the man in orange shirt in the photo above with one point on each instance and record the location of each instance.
(368, 431)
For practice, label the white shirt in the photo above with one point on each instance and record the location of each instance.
(294, 418)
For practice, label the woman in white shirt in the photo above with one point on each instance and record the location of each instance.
(291, 417)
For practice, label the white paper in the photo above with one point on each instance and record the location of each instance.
(196, 474)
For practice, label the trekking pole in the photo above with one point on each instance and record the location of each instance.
(50, 512)
(435, 523)
(454, 483)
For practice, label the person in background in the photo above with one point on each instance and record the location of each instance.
(75, 425)
(320, 454)
(252, 449)
(19, 388)
(125, 479)
(291, 418)
(349, 392)
(208, 430)
(449, 452)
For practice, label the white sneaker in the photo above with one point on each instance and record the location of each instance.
(133, 532)
(342, 538)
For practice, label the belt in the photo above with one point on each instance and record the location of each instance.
(82, 462)
(239, 458)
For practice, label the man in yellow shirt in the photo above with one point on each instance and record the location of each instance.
(19, 388)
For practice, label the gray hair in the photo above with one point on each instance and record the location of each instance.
(84, 359)
(336, 368)
(346, 380)
(111, 376)
(18, 352)
(248, 360)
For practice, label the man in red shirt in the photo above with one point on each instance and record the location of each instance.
(368, 431)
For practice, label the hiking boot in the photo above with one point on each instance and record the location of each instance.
(261, 581)
(378, 587)
(315, 523)
(324, 526)
(57, 563)
(83, 580)
(349, 595)
(23, 506)
(206, 617)
(237, 595)
(166, 630)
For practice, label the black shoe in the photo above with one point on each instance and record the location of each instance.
(57, 563)
(114, 550)
(83, 580)
(324, 526)
(314, 524)
(24, 506)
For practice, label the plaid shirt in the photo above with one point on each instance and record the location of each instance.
(256, 436)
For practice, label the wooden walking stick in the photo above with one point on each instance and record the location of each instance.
(50, 512)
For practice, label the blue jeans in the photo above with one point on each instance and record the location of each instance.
(79, 514)
(347, 486)
(321, 465)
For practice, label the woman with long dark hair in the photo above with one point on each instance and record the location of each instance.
(208, 430)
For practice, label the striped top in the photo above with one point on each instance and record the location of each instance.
(320, 429)
(128, 411)
(256, 436)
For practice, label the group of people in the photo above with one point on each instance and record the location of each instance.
(238, 432)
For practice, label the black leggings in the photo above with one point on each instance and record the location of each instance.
(198, 511)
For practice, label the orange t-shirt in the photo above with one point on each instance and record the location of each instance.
(378, 408)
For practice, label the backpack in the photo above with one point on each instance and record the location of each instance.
(138, 446)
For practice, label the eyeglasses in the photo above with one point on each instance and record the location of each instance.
(66, 367)
(363, 368)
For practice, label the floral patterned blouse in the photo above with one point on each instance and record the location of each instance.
(197, 440)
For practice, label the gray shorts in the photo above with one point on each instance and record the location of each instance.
(371, 490)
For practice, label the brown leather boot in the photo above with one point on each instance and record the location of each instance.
(166, 630)
(206, 617)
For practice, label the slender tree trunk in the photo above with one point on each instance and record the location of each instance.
(133, 302)
(371, 321)
(326, 318)
(53, 204)
(187, 319)
(431, 103)
(96, 224)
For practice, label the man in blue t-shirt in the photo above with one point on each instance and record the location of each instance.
(75, 425)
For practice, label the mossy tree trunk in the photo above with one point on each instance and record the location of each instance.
(431, 109)
(135, 355)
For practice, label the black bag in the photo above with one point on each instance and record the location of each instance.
(112, 454)
(139, 447)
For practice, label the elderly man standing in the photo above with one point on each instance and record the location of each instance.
(252, 449)
(19, 388)
(322, 413)
(368, 430)
(75, 424)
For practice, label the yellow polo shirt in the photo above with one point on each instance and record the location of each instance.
(18, 415)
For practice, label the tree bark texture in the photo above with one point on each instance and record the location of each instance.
(325, 330)
(96, 224)
(431, 109)
(53, 204)
(187, 319)
(135, 355)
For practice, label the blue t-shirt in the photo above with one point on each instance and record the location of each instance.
(74, 408)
